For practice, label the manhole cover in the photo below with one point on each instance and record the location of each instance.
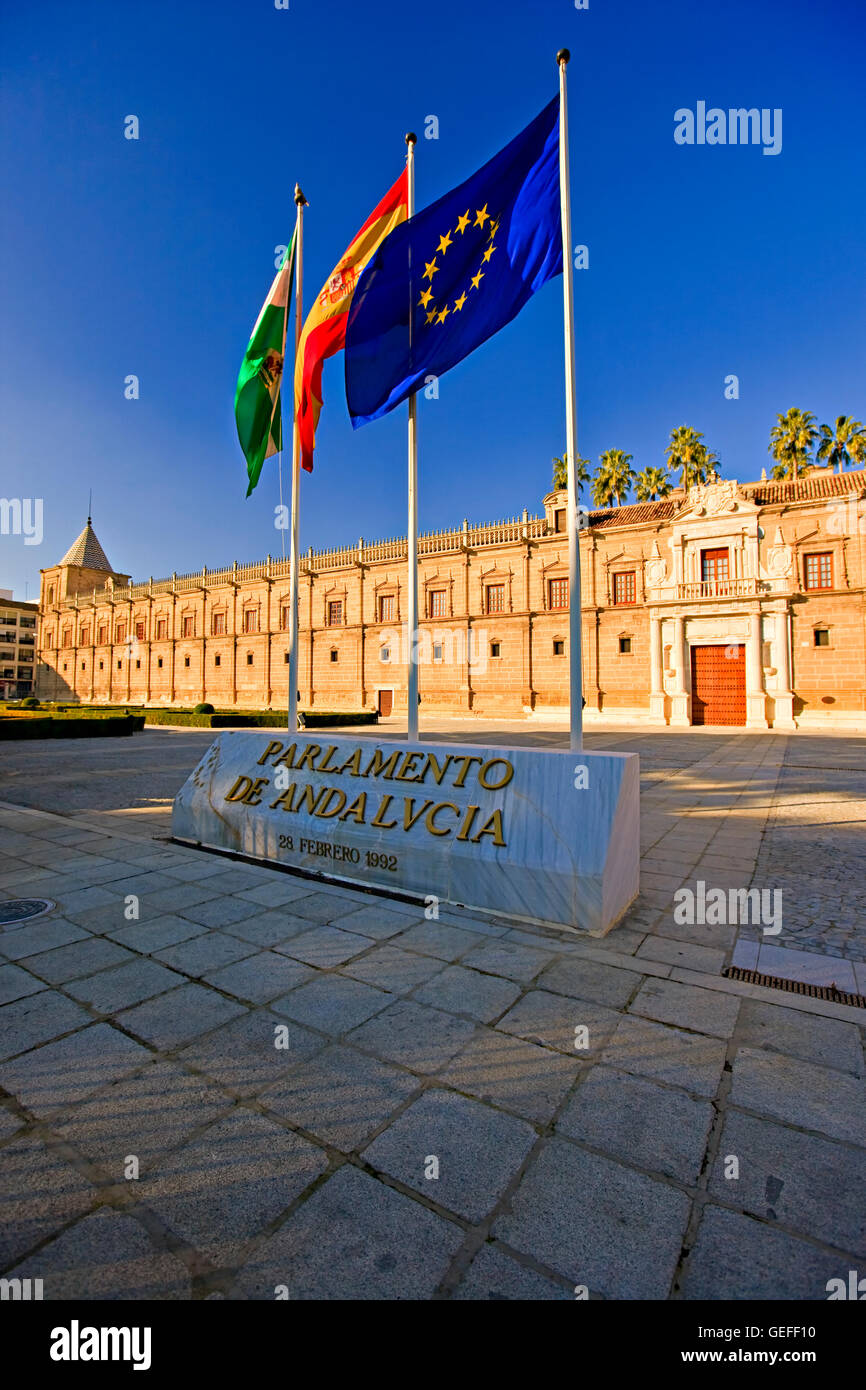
(19, 910)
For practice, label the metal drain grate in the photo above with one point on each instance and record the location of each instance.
(17, 911)
(829, 992)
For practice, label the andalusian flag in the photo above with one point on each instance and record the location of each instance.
(257, 397)
(325, 329)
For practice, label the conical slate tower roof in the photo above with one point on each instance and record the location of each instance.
(87, 552)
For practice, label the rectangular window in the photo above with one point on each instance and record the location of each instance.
(137, 666)
(251, 620)
(120, 632)
(249, 658)
(335, 656)
(140, 629)
(625, 645)
(161, 629)
(119, 665)
(102, 635)
(437, 651)
(49, 640)
(218, 624)
(559, 649)
(386, 608)
(189, 626)
(217, 661)
(715, 567)
(558, 593)
(559, 520)
(437, 603)
(85, 637)
(186, 661)
(335, 613)
(102, 665)
(385, 654)
(822, 637)
(623, 587)
(67, 637)
(158, 662)
(495, 649)
(819, 571)
(495, 598)
(285, 658)
(285, 617)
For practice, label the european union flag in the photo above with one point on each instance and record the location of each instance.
(447, 280)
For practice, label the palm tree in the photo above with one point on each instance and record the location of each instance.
(652, 483)
(688, 454)
(792, 439)
(613, 478)
(560, 473)
(842, 445)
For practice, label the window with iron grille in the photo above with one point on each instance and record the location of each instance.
(495, 598)
(218, 624)
(386, 608)
(161, 629)
(623, 587)
(558, 593)
(251, 620)
(188, 626)
(335, 613)
(437, 603)
(819, 571)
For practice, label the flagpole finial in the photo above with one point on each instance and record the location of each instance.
(411, 138)
(562, 56)
(299, 197)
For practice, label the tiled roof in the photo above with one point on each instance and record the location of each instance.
(813, 489)
(633, 514)
(87, 552)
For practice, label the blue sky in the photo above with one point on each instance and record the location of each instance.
(153, 256)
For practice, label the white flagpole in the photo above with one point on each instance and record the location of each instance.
(300, 203)
(412, 526)
(575, 677)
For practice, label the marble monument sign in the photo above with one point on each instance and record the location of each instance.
(532, 834)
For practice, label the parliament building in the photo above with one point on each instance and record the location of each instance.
(727, 604)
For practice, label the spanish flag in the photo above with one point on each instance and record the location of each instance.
(325, 329)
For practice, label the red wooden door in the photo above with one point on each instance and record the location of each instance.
(719, 685)
(386, 702)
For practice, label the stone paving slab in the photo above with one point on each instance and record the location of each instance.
(735, 1256)
(106, 1256)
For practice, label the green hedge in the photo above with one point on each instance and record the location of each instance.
(268, 719)
(78, 727)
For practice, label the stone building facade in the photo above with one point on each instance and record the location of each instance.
(727, 604)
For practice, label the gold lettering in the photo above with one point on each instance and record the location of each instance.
(324, 763)
(492, 826)
(308, 756)
(378, 766)
(431, 823)
(288, 758)
(254, 796)
(332, 791)
(409, 766)
(240, 789)
(438, 772)
(273, 747)
(410, 815)
(377, 821)
(471, 813)
(311, 798)
(483, 772)
(467, 763)
(357, 808)
(287, 800)
(354, 763)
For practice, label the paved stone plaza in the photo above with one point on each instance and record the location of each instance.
(287, 1066)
